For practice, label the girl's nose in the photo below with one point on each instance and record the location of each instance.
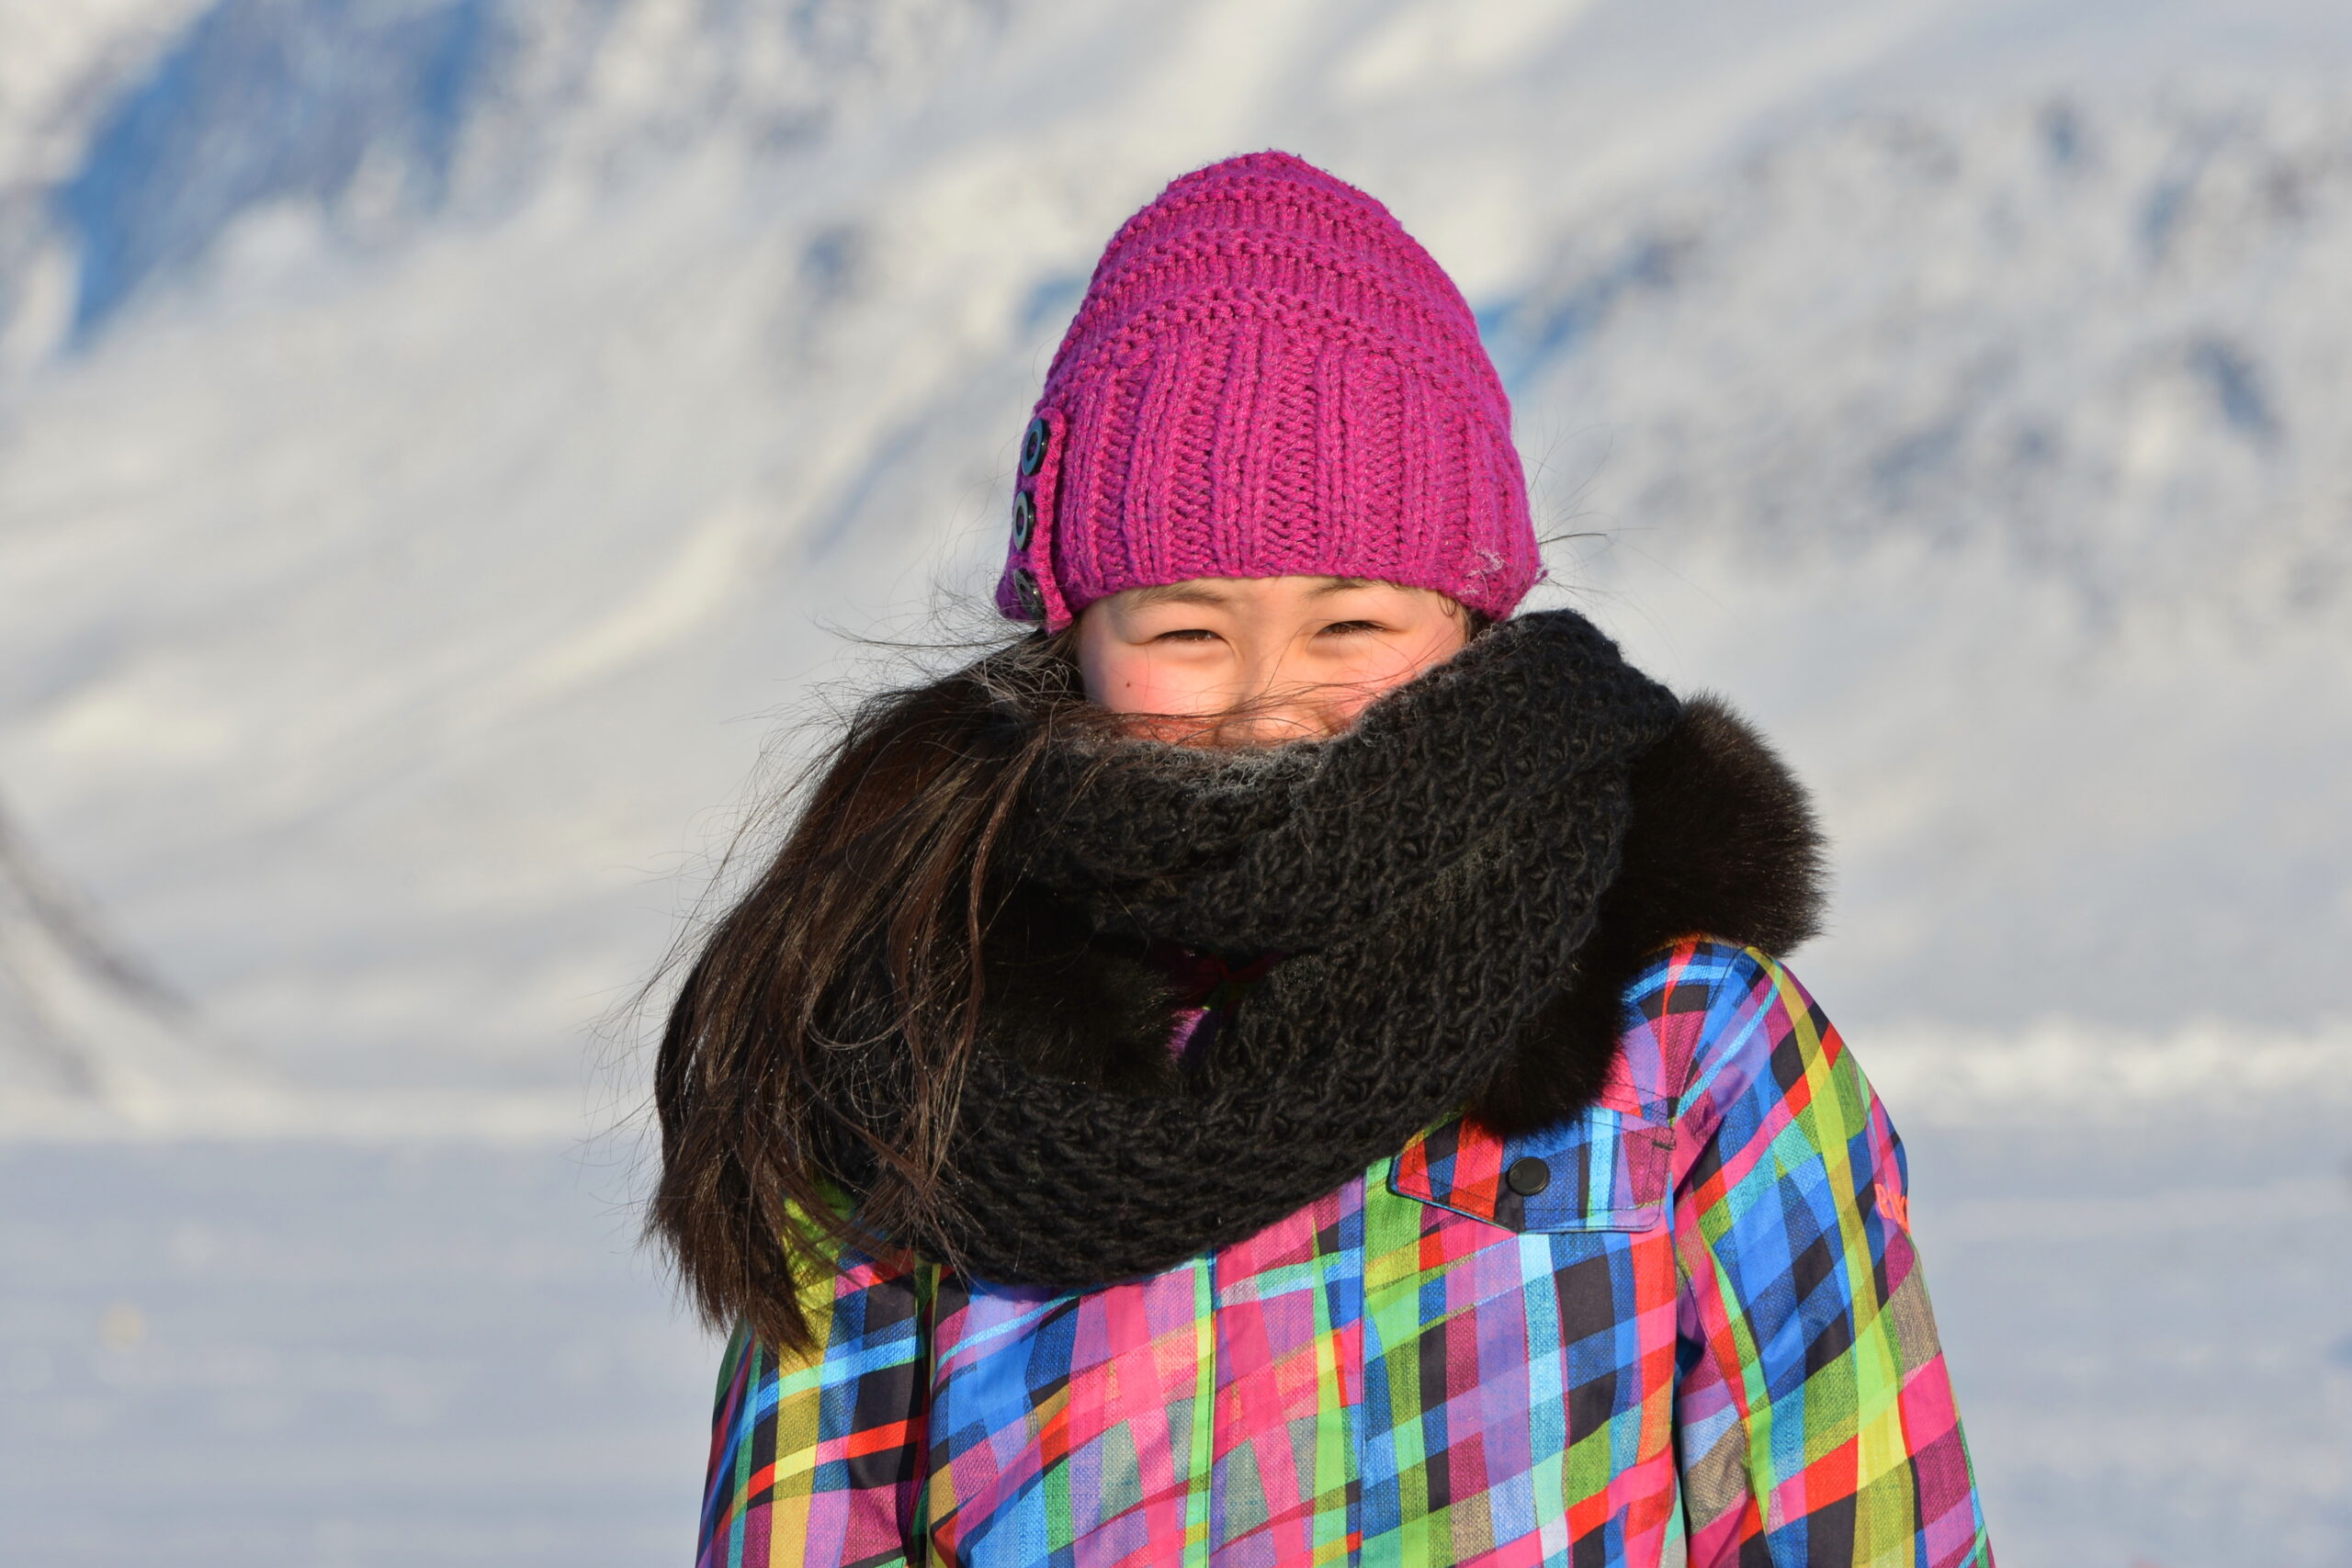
(1276, 702)
(1272, 724)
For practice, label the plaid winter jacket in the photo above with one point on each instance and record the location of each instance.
(1687, 1324)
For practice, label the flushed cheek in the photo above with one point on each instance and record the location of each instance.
(1342, 701)
(1141, 685)
(1340, 705)
(1351, 689)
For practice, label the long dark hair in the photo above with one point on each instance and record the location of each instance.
(867, 923)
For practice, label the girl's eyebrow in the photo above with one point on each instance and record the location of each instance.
(1201, 593)
(1180, 593)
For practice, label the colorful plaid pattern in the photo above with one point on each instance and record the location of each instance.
(818, 1460)
(1702, 1331)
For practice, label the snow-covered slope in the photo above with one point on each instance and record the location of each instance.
(2003, 456)
(445, 436)
(78, 1020)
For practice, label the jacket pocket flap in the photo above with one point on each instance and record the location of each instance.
(1602, 1170)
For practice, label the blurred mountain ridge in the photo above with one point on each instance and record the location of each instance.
(72, 1007)
(376, 118)
(2110, 334)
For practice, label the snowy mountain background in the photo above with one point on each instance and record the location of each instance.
(448, 448)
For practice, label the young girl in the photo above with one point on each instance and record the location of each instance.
(1285, 1064)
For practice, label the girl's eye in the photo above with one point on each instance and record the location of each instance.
(1187, 633)
(1349, 628)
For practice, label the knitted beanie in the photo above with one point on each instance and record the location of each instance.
(1268, 376)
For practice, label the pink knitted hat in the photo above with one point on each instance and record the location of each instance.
(1268, 376)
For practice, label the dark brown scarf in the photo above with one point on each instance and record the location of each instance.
(1463, 883)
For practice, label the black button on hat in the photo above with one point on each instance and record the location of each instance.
(1528, 1175)
(1033, 446)
(1032, 597)
(1025, 519)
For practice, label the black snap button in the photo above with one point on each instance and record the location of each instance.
(1024, 518)
(1033, 446)
(1528, 1175)
(1032, 597)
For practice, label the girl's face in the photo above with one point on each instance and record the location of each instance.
(1256, 661)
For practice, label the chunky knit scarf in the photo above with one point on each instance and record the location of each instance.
(1434, 876)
